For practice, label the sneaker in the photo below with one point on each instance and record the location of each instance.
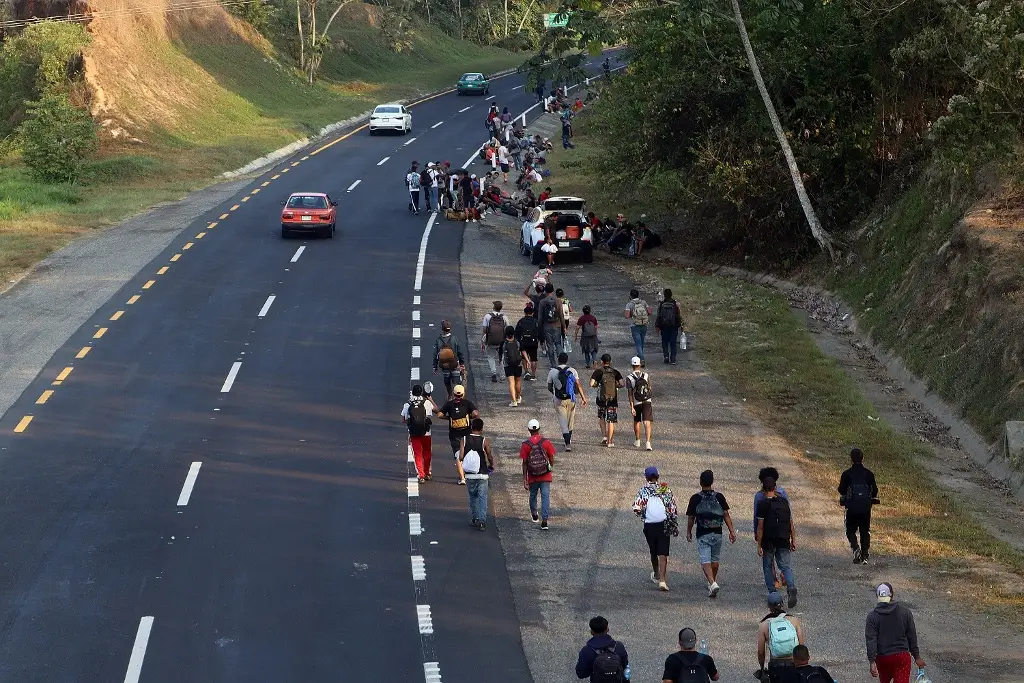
(481, 526)
(604, 441)
(666, 360)
(649, 446)
(791, 592)
(422, 480)
(610, 445)
(857, 556)
(643, 363)
(513, 404)
(494, 378)
(474, 521)
(544, 525)
(864, 558)
(430, 475)
(568, 448)
(462, 482)
(532, 378)
(713, 590)
(654, 578)
(527, 376)
(635, 443)
(671, 362)
(535, 517)
(663, 586)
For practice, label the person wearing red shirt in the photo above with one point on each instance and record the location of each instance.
(537, 474)
(544, 195)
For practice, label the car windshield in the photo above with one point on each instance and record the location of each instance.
(307, 202)
(387, 110)
(472, 77)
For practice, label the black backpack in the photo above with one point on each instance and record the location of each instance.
(418, 422)
(549, 312)
(668, 318)
(607, 666)
(693, 673)
(776, 522)
(641, 388)
(812, 674)
(528, 334)
(512, 355)
(425, 179)
(858, 495)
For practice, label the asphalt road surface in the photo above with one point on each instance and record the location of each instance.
(208, 482)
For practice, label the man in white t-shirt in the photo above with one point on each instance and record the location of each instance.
(412, 181)
(638, 383)
(416, 416)
(433, 173)
(503, 160)
(656, 505)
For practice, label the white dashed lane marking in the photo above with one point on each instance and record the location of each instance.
(190, 482)
(266, 306)
(413, 488)
(298, 253)
(419, 568)
(423, 616)
(493, 96)
(142, 642)
(465, 109)
(409, 142)
(437, 124)
(415, 527)
(383, 161)
(416, 351)
(232, 374)
(353, 186)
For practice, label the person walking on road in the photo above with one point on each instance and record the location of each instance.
(656, 506)
(412, 182)
(688, 665)
(777, 638)
(891, 638)
(477, 462)
(566, 390)
(776, 538)
(549, 314)
(513, 358)
(538, 456)
(603, 658)
(528, 335)
(669, 322)
(448, 358)
(459, 412)
(416, 416)
(857, 493)
(565, 313)
(492, 337)
(760, 495)
(803, 671)
(607, 380)
(708, 509)
(586, 337)
(641, 404)
(638, 313)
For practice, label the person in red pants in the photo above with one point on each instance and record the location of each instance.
(416, 416)
(891, 638)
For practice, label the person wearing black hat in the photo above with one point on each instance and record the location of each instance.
(777, 637)
(687, 661)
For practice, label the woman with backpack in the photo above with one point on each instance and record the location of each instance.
(586, 337)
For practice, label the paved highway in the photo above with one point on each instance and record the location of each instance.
(208, 482)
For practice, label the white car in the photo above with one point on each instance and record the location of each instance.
(390, 117)
(572, 235)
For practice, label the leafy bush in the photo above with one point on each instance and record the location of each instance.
(56, 138)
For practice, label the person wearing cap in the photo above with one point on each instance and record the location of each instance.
(492, 337)
(448, 357)
(432, 174)
(419, 430)
(566, 390)
(777, 637)
(528, 335)
(656, 506)
(459, 411)
(891, 638)
(776, 538)
(600, 641)
(681, 663)
(641, 404)
(534, 479)
(607, 380)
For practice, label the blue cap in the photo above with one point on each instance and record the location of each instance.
(775, 599)
(651, 471)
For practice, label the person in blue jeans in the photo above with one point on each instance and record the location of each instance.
(537, 475)
(669, 322)
(638, 312)
(477, 463)
(776, 538)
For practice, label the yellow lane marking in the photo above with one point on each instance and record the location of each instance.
(266, 183)
(134, 299)
(149, 284)
(295, 164)
(162, 270)
(304, 158)
(285, 170)
(255, 190)
(224, 215)
(23, 424)
(117, 315)
(346, 136)
(187, 246)
(245, 198)
(64, 373)
(84, 352)
(212, 225)
(44, 397)
(175, 258)
(99, 333)
(234, 208)
(275, 177)
(200, 235)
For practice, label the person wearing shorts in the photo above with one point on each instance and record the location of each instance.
(512, 358)
(528, 336)
(642, 408)
(503, 160)
(656, 506)
(709, 510)
(607, 406)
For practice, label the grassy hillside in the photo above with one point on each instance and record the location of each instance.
(184, 96)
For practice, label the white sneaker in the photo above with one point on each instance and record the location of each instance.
(654, 578)
(648, 445)
(713, 589)
(662, 585)
(604, 441)
(513, 404)
(637, 443)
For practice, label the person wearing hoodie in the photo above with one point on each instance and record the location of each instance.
(599, 642)
(891, 638)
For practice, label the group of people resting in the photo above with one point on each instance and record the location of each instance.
(621, 235)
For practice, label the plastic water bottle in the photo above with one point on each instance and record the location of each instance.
(628, 673)
(703, 649)
(922, 677)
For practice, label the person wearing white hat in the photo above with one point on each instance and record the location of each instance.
(638, 384)
(538, 456)
(891, 638)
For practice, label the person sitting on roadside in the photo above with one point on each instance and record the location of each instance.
(544, 195)
(620, 237)
(577, 105)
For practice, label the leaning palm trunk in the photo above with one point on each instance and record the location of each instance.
(821, 236)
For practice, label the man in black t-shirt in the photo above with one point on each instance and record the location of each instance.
(802, 670)
(459, 412)
(607, 380)
(688, 658)
(709, 510)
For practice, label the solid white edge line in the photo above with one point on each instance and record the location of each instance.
(266, 306)
(409, 141)
(414, 374)
(190, 482)
(298, 253)
(232, 373)
(139, 650)
(383, 161)
(437, 124)
(353, 186)
(421, 259)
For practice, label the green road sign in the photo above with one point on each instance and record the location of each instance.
(556, 20)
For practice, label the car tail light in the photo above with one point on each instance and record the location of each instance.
(288, 214)
(325, 217)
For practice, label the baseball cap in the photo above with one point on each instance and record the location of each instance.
(459, 390)
(651, 471)
(430, 164)
(883, 592)
(533, 425)
(635, 362)
(775, 599)
(687, 637)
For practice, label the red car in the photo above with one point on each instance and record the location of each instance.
(309, 212)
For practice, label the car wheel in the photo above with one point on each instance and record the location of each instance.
(588, 255)
(284, 233)
(330, 233)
